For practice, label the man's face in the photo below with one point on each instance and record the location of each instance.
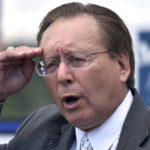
(85, 96)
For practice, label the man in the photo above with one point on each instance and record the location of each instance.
(87, 63)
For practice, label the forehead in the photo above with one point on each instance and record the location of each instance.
(73, 32)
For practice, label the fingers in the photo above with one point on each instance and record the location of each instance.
(20, 53)
(28, 71)
(6, 64)
(9, 48)
(16, 68)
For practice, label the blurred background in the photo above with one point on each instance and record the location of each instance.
(19, 24)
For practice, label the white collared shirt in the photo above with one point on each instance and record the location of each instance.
(106, 136)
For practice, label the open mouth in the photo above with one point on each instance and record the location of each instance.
(71, 100)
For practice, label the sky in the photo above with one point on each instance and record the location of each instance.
(21, 18)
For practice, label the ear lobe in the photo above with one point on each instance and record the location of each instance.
(124, 66)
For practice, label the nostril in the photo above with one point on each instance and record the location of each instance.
(65, 82)
(69, 81)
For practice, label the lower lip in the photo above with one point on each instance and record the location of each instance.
(72, 106)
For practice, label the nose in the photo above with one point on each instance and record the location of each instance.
(64, 74)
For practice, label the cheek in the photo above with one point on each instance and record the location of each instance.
(99, 79)
(51, 85)
(94, 75)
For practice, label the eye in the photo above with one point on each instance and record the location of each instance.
(77, 59)
(76, 62)
(51, 66)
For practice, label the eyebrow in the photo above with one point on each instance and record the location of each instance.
(56, 56)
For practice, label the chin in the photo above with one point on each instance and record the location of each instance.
(86, 124)
(75, 119)
(80, 122)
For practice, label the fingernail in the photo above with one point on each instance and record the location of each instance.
(10, 48)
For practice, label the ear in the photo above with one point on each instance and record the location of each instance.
(124, 66)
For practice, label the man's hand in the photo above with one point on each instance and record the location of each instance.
(16, 68)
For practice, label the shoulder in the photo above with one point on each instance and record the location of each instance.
(138, 102)
(135, 131)
(45, 118)
(35, 131)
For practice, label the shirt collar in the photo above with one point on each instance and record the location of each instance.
(105, 135)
